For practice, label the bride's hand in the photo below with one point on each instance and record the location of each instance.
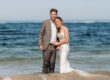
(55, 43)
(58, 47)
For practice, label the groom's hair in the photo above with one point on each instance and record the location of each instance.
(54, 10)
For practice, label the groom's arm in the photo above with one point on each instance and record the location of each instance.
(41, 35)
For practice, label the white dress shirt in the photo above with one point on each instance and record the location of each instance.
(53, 32)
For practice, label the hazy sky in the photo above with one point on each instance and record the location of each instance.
(32, 10)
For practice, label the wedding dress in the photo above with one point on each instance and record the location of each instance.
(64, 65)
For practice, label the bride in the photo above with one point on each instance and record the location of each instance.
(63, 47)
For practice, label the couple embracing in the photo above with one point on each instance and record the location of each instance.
(54, 36)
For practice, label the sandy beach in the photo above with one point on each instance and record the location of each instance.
(57, 76)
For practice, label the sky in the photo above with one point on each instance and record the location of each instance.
(35, 10)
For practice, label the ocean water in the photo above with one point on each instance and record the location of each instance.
(19, 52)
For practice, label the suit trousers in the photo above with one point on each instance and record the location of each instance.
(49, 57)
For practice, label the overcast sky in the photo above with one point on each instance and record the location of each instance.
(32, 10)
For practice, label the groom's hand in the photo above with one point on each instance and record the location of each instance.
(41, 47)
(54, 43)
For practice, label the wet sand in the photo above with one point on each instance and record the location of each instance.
(101, 75)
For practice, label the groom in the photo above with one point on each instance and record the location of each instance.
(48, 35)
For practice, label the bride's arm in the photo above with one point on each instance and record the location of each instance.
(66, 32)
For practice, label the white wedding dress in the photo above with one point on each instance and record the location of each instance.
(64, 65)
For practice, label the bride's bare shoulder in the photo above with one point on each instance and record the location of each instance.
(65, 28)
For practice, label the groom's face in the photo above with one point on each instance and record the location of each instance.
(53, 15)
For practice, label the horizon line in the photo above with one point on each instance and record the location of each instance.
(66, 20)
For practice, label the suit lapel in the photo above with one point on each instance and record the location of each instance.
(49, 27)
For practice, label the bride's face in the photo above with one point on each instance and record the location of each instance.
(58, 23)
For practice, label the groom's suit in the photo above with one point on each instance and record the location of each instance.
(49, 50)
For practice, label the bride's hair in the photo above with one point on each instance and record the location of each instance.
(60, 20)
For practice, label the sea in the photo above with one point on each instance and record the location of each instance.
(20, 54)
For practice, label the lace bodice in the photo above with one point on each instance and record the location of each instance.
(61, 35)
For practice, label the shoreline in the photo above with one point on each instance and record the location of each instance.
(74, 75)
